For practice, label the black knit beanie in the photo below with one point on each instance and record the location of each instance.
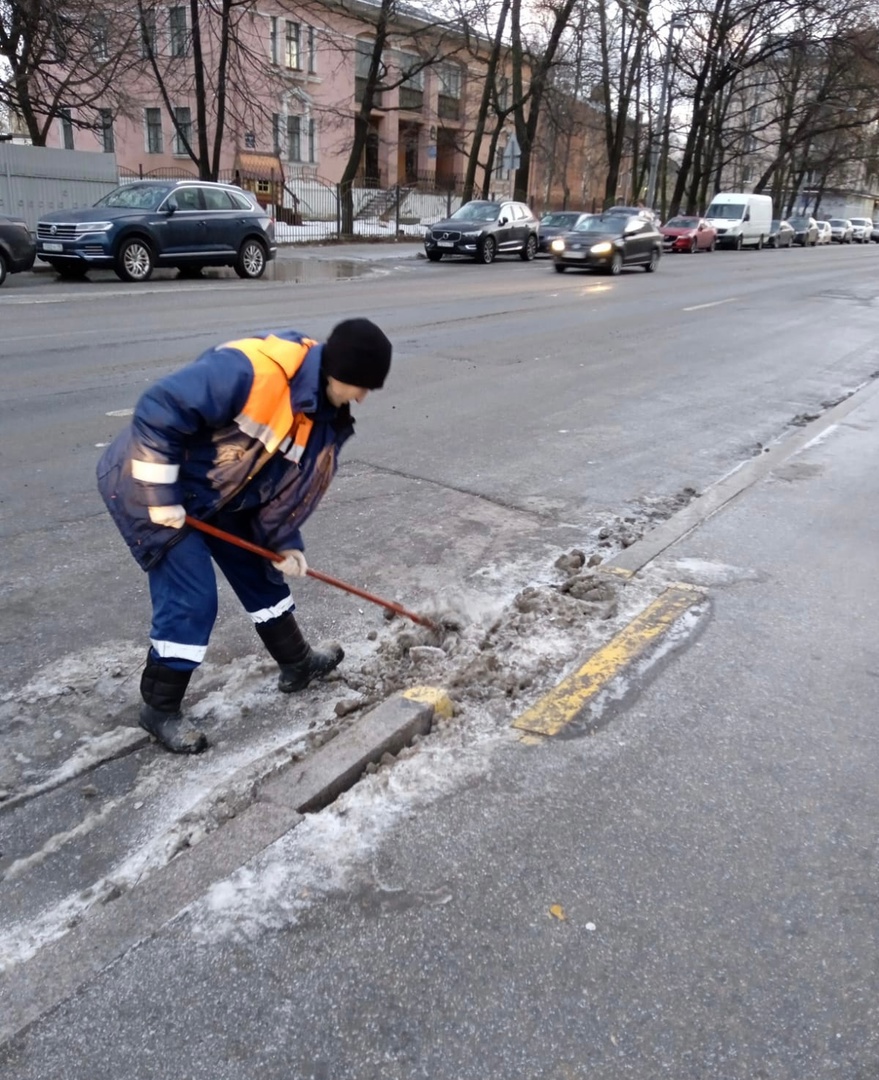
(357, 353)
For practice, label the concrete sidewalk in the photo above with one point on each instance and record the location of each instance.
(367, 251)
(687, 891)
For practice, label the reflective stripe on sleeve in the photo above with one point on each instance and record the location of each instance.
(174, 650)
(154, 472)
(268, 613)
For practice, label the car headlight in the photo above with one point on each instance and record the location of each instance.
(603, 248)
(93, 226)
(471, 235)
(557, 245)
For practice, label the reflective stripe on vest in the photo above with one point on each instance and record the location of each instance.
(267, 414)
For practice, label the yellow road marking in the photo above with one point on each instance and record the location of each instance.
(443, 706)
(566, 701)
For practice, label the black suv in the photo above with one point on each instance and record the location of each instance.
(483, 230)
(189, 224)
(17, 247)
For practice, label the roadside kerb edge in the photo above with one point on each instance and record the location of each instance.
(34, 987)
(643, 551)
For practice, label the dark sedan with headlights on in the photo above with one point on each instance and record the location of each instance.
(608, 242)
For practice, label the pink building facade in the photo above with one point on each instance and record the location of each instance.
(295, 83)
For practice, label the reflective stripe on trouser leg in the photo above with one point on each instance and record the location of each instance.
(261, 588)
(183, 588)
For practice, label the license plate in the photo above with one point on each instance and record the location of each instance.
(445, 243)
(53, 247)
(575, 254)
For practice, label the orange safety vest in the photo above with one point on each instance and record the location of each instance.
(268, 413)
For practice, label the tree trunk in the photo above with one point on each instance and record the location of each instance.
(482, 117)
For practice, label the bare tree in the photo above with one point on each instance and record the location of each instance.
(220, 61)
(63, 60)
(533, 53)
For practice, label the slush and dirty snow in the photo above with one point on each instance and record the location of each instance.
(511, 635)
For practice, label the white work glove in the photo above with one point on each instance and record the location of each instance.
(293, 564)
(172, 517)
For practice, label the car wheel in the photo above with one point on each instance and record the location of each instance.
(3, 268)
(694, 246)
(616, 264)
(134, 261)
(760, 244)
(434, 256)
(487, 250)
(559, 268)
(654, 261)
(738, 243)
(712, 246)
(251, 261)
(529, 250)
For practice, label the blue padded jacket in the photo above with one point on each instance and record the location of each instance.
(197, 435)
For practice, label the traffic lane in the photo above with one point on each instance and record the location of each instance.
(639, 364)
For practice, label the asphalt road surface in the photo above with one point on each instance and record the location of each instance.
(691, 893)
(520, 401)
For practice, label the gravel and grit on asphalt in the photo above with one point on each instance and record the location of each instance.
(508, 635)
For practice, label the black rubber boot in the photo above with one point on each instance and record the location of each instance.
(299, 663)
(162, 689)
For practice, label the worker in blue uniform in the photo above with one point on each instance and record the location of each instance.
(246, 437)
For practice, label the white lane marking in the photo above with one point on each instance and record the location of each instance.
(112, 293)
(120, 412)
(714, 303)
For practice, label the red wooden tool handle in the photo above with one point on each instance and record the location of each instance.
(238, 541)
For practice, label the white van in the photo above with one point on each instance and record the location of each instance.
(741, 220)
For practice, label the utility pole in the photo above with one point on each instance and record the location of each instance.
(656, 143)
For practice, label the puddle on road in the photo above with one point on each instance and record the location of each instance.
(294, 271)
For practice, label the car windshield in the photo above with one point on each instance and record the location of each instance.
(682, 223)
(615, 223)
(476, 211)
(838, 223)
(560, 220)
(732, 211)
(135, 197)
(775, 225)
(797, 221)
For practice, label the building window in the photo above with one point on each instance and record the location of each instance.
(362, 62)
(148, 36)
(178, 37)
(101, 46)
(291, 45)
(311, 50)
(60, 28)
(66, 129)
(412, 87)
(449, 100)
(108, 139)
(249, 140)
(182, 129)
(294, 138)
(153, 120)
(311, 146)
(273, 38)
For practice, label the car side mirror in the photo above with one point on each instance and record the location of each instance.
(747, 216)
(171, 205)
(503, 221)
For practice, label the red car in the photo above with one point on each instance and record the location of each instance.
(688, 234)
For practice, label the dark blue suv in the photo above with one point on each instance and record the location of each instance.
(189, 224)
